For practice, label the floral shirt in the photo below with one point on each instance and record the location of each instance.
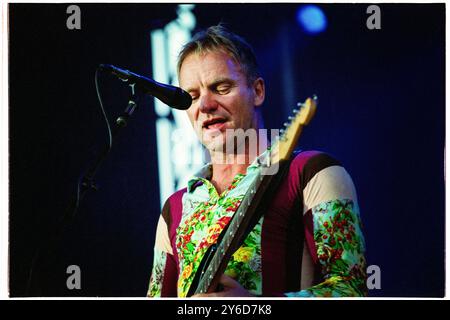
(312, 227)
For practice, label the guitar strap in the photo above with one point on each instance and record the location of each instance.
(271, 190)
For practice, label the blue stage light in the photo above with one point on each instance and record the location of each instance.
(312, 19)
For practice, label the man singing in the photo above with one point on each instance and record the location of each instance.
(307, 243)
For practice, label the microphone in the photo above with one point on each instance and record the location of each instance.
(172, 96)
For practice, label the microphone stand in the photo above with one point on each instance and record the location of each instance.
(84, 184)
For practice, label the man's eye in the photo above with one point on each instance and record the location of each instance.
(223, 89)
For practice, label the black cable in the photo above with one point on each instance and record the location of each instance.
(103, 109)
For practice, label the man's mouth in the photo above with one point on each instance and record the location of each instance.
(215, 123)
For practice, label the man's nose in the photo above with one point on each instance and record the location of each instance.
(208, 103)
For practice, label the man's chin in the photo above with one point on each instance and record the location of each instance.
(215, 146)
(213, 142)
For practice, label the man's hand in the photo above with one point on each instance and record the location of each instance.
(231, 288)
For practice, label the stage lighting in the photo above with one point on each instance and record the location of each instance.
(312, 19)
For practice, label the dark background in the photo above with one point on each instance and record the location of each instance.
(381, 112)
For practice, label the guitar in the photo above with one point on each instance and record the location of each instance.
(249, 211)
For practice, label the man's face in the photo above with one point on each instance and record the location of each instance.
(221, 96)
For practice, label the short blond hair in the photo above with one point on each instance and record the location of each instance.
(218, 38)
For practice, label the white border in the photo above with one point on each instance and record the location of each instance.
(231, 1)
(4, 151)
(447, 193)
(4, 156)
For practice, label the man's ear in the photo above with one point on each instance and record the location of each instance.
(259, 90)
